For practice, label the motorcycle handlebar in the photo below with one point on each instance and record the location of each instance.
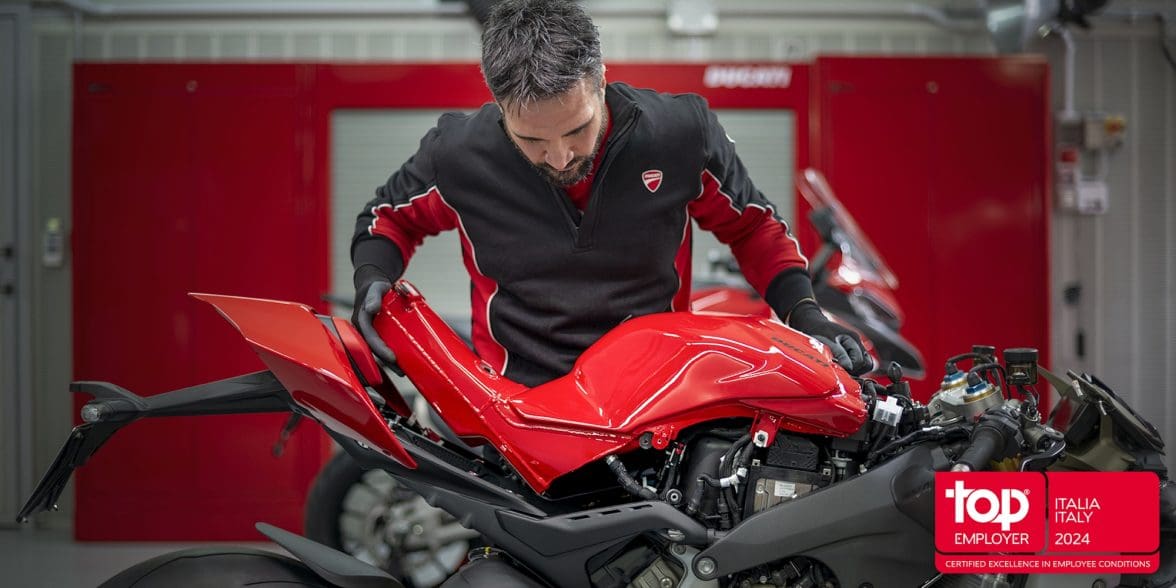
(985, 443)
(996, 436)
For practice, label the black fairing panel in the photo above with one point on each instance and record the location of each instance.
(555, 535)
(334, 566)
(875, 528)
(217, 567)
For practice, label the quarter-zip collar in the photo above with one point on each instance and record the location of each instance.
(624, 112)
(579, 192)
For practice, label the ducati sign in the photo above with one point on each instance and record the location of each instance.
(747, 76)
(652, 179)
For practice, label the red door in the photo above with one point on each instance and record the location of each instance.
(944, 163)
(189, 178)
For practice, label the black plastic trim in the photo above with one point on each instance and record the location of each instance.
(333, 566)
(114, 407)
(607, 525)
(249, 393)
(434, 471)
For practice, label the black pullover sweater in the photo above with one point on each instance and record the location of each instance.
(548, 281)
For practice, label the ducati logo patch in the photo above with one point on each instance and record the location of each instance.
(652, 179)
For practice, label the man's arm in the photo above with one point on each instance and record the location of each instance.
(730, 206)
(406, 209)
(388, 230)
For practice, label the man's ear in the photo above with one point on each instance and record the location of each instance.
(502, 109)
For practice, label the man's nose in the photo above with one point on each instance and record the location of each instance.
(560, 158)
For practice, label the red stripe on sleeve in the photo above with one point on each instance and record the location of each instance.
(408, 224)
(760, 242)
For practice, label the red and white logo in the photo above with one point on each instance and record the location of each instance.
(989, 512)
(995, 510)
(997, 522)
(652, 179)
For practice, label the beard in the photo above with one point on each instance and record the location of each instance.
(574, 174)
(580, 167)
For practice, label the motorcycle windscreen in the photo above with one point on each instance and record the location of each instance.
(311, 362)
(819, 195)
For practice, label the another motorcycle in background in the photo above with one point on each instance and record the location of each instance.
(851, 282)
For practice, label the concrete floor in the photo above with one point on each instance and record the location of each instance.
(35, 558)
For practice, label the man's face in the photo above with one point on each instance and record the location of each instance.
(560, 136)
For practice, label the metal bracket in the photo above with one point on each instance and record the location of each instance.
(763, 430)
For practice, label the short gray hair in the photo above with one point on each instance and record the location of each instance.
(538, 49)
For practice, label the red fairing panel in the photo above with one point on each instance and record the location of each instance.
(659, 373)
(672, 369)
(361, 354)
(359, 351)
(312, 364)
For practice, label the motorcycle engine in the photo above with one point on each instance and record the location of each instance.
(791, 467)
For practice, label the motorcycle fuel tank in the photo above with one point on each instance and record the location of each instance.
(680, 367)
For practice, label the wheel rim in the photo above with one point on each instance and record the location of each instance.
(388, 526)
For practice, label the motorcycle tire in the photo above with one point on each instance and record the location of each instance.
(356, 511)
(216, 567)
(1165, 576)
(324, 502)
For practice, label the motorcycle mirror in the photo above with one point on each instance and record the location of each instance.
(897, 386)
(894, 372)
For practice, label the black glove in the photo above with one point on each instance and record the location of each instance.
(371, 285)
(845, 344)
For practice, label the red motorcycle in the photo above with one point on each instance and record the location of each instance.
(683, 449)
(367, 514)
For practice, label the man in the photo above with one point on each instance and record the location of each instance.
(573, 198)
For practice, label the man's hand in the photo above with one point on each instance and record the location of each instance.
(370, 287)
(847, 348)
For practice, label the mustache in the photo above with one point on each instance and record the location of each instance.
(574, 173)
(572, 167)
